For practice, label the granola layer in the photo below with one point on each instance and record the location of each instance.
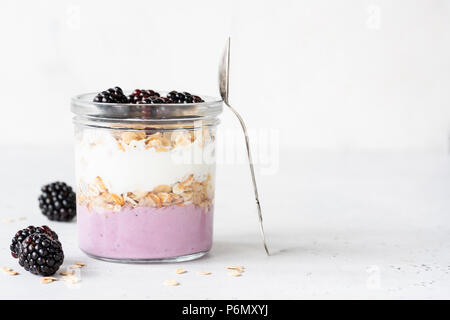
(162, 141)
(183, 193)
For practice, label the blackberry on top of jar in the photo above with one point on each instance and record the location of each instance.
(111, 95)
(183, 97)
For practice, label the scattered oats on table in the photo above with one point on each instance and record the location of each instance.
(45, 280)
(235, 273)
(239, 269)
(180, 271)
(71, 278)
(171, 282)
(203, 273)
(9, 271)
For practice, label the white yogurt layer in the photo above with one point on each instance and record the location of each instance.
(136, 168)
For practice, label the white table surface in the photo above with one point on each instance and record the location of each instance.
(340, 225)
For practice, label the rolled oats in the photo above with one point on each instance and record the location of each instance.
(45, 280)
(181, 138)
(162, 188)
(156, 199)
(183, 193)
(129, 136)
(100, 185)
(180, 271)
(138, 195)
(119, 144)
(188, 181)
(235, 273)
(129, 200)
(171, 282)
(9, 271)
(117, 199)
(71, 279)
(187, 196)
(164, 197)
(178, 188)
(239, 269)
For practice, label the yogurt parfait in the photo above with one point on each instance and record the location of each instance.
(145, 172)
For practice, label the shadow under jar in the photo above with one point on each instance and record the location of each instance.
(145, 179)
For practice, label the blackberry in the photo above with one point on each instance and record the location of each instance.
(183, 97)
(58, 202)
(41, 254)
(21, 235)
(166, 100)
(159, 100)
(176, 96)
(112, 95)
(140, 96)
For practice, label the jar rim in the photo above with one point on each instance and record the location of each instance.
(84, 106)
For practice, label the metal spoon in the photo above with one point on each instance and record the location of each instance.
(224, 84)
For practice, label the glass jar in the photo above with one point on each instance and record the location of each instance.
(145, 179)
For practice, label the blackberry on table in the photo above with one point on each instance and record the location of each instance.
(21, 235)
(112, 95)
(41, 254)
(58, 201)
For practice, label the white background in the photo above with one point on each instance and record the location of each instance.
(340, 75)
(356, 94)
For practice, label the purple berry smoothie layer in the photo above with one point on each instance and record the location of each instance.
(145, 232)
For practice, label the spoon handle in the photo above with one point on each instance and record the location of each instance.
(252, 171)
